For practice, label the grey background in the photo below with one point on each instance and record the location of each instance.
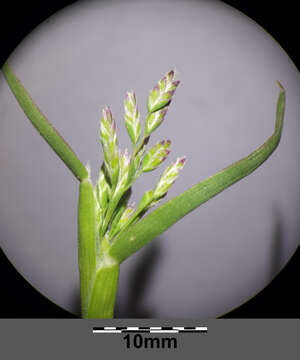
(87, 56)
(274, 339)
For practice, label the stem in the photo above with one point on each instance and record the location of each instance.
(98, 282)
(138, 148)
(103, 291)
(109, 213)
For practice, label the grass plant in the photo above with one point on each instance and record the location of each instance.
(110, 228)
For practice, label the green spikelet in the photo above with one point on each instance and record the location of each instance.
(161, 95)
(155, 156)
(132, 118)
(168, 178)
(108, 138)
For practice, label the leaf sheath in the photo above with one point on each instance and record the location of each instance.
(43, 126)
(86, 241)
(103, 292)
(166, 215)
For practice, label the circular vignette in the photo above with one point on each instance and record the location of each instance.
(225, 259)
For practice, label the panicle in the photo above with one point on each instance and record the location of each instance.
(120, 170)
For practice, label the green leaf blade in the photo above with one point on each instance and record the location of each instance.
(43, 126)
(148, 228)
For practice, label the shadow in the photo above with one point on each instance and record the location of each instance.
(277, 244)
(20, 300)
(76, 302)
(280, 298)
(139, 282)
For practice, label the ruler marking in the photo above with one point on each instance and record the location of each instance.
(151, 330)
(107, 331)
(164, 331)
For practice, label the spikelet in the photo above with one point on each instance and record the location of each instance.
(102, 190)
(124, 167)
(168, 178)
(161, 95)
(153, 120)
(120, 214)
(108, 138)
(155, 156)
(132, 117)
(102, 195)
(145, 202)
(125, 216)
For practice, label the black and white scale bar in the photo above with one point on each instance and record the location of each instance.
(151, 330)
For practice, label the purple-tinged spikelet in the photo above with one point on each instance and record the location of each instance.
(168, 177)
(132, 117)
(161, 95)
(155, 156)
(108, 138)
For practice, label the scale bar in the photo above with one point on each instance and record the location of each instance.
(151, 330)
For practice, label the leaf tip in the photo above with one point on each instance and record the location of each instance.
(280, 85)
